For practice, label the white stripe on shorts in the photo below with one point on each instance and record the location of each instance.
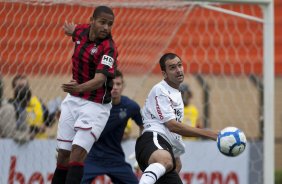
(155, 139)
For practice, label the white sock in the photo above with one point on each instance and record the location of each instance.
(152, 173)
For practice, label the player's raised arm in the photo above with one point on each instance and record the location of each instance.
(69, 28)
(188, 131)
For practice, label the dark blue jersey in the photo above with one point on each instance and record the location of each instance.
(108, 147)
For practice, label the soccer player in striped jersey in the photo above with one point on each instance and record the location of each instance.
(159, 147)
(86, 108)
(106, 157)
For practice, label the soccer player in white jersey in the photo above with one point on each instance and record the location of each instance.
(159, 147)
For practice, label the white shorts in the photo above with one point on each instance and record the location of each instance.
(81, 122)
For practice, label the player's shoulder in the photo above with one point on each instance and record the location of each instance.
(128, 101)
(81, 28)
(125, 98)
(157, 86)
(109, 42)
(160, 88)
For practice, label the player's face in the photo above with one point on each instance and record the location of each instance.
(174, 74)
(101, 26)
(117, 87)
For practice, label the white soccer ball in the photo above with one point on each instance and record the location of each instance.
(231, 141)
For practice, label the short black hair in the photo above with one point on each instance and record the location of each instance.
(118, 74)
(102, 9)
(166, 57)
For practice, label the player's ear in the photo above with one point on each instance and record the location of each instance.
(164, 74)
(91, 20)
(123, 85)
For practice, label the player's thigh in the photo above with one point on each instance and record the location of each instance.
(82, 142)
(66, 132)
(170, 178)
(122, 174)
(91, 171)
(93, 116)
(147, 144)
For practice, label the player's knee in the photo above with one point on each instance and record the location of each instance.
(178, 165)
(84, 139)
(163, 157)
(168, 164)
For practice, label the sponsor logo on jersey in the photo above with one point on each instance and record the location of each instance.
(107, 60)
(159, 109)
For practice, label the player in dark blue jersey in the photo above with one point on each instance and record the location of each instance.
(106, 156)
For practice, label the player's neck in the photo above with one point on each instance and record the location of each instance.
(116, 100)
(91, 36)
(171, 84)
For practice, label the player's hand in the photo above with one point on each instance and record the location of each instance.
(71, 87)
(69, 28)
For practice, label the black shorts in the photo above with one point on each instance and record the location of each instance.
(145, 146)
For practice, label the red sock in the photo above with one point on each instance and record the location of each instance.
(60, 174)
(75, 173)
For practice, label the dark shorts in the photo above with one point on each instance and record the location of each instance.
(146, 144)
(120, 173)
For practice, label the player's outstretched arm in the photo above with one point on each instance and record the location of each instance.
(188, 131)
(69, 28)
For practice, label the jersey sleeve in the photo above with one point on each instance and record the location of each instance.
(79, 29)
(108, 63)
(76, 33)
(137, 114)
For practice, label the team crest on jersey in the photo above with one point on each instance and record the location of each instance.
(93, 50)
(122, 113)
(107, 60)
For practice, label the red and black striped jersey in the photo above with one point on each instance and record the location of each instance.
(91, 57)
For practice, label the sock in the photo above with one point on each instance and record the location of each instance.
(75, 173)
(60, 174)
(152, 173)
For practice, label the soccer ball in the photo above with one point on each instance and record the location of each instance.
(231, 141)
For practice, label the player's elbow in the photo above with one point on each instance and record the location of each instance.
(100, 79)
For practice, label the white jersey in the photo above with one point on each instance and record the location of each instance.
(164, 103)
